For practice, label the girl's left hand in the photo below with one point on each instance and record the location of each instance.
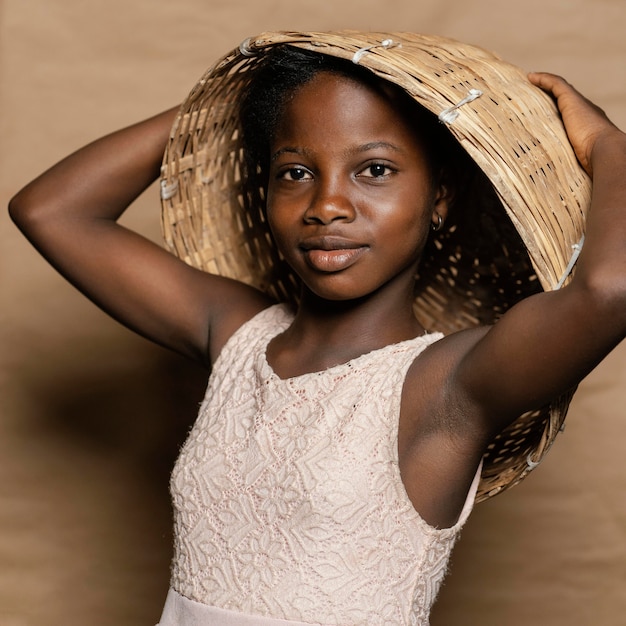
(585, 122)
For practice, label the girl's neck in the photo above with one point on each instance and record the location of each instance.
(324, 334)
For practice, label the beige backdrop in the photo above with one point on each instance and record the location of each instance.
(91, 416)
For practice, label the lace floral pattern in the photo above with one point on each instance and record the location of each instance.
(287, 495)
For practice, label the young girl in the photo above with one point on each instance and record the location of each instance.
(339, 447)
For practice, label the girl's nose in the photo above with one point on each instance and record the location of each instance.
(329, 205)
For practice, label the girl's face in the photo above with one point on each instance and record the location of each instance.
(350, 195)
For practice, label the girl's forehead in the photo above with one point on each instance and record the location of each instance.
(345, 106)
(330, 79)
(335, 117)
(329, 96)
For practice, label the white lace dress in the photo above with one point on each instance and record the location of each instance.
(288, 502)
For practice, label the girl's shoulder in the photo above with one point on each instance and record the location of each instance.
(260, 324)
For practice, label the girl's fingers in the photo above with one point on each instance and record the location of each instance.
(584, 121)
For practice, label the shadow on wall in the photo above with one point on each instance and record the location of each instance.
(134, 403)
(87, 513)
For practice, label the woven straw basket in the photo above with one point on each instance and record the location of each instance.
(520, 244)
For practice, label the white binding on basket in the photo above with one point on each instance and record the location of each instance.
(168, 191)
(385, 43)
(447, 116)
(530, 463)
(577, 248)
(245, 49)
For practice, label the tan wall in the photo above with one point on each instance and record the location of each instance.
(91, 416)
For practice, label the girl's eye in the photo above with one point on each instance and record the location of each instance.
(295, 174)
(376, 170)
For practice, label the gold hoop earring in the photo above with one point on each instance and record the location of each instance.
(439, 225)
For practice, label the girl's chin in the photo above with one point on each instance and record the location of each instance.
(331, 294)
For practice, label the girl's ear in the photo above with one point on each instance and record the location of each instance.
(444, 197)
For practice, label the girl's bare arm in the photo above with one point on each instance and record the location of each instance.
(550, 342)
(70, 215)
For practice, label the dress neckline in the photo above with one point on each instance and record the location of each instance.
(339, 368)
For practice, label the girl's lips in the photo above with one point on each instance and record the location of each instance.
(333, 260)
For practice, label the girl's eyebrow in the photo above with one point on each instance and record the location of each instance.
(366, 147)
(288, 150)
(373, 145)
